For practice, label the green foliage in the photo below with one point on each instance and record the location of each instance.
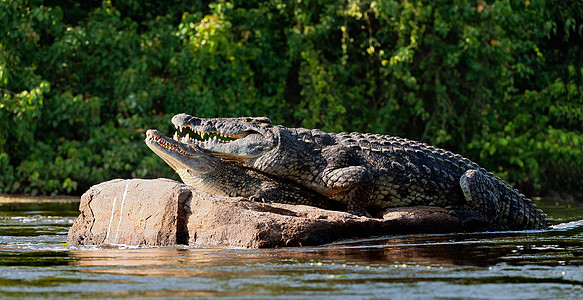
(80, 82)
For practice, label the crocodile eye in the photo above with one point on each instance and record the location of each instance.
(263, 120)
(247, 120)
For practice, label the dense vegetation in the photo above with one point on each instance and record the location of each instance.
(500, 82)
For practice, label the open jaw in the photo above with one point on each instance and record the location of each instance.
(154, 137)
(177, 153)
(227, 142)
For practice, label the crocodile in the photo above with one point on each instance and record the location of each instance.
(367, 172)
(203, 171)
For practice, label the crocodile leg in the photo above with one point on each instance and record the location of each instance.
(344, 172)
(482, 199)
(480, 193)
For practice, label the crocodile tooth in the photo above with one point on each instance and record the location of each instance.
(175, 137)
(187, 137)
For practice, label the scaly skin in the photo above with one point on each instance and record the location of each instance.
(369, 172)
(205, 172)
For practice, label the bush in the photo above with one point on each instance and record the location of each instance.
(497, 81)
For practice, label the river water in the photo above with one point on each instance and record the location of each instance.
(35, 262)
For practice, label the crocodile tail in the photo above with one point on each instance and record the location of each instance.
(517, 211)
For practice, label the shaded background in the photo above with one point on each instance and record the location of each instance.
(500, 82)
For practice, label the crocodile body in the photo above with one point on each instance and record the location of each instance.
(368, 172)
(207, 173)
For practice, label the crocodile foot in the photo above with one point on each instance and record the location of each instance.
(472, 220)
(259, 198)
(361, 212)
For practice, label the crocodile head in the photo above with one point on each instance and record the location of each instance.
(184, 158)
(236, 139)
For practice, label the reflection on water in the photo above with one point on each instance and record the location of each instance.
(35, 262)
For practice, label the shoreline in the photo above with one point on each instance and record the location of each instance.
(7, 198)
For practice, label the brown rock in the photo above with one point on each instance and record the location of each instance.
(163, 212)
(130, 212)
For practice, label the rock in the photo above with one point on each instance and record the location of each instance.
(163, 212)
(423, 219)
(130, 212)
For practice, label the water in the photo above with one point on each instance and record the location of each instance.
(35, 262)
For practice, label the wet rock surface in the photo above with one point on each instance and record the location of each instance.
(162, 212)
